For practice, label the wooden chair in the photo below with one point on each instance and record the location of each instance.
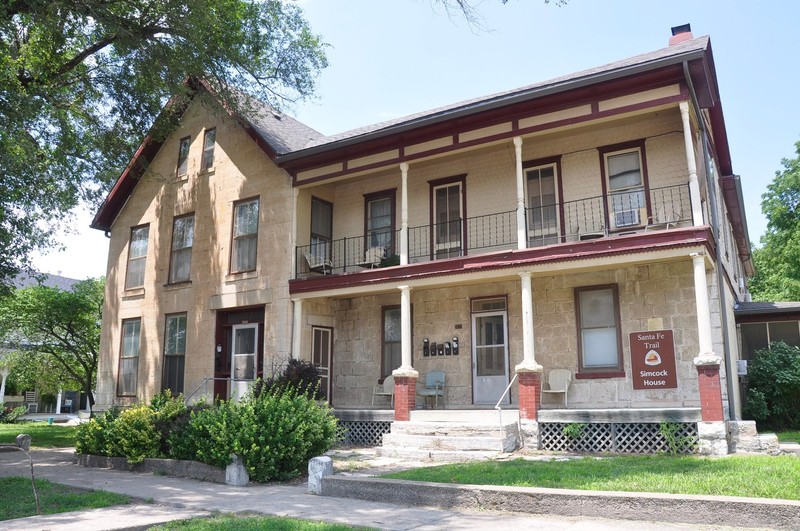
(558, 381)
(384, 389)
(318, 264)
(434, 387)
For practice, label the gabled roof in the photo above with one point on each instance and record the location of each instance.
(25, 280)
(766, 308)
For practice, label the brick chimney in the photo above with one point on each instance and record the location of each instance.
(681, 34)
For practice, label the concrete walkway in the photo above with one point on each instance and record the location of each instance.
(177, 498)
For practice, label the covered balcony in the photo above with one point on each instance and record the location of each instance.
(554, 224)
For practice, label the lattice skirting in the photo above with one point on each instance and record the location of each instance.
(629, 438)
(363, 432)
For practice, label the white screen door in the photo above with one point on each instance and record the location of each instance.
(489, 357)
(321, 358)
(447, 219)
(244, 349)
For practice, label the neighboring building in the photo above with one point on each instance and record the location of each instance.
(565, 225)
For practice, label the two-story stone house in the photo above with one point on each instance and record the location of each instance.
(590, 223)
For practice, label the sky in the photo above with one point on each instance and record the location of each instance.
(390, 58)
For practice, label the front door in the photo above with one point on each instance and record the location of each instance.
(244, 348)
(447, 219)
(321, 358)
(489, 357)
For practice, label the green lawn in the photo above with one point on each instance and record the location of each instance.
(789, 436)
(252, 523)
(17, 500)
(753, 476)
(43, 435)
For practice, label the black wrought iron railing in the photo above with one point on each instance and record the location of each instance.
(620, 212)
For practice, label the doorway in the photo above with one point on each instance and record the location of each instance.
(489, 350)
(321, 350)
(226, 351)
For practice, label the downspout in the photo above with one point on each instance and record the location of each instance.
(723, 307)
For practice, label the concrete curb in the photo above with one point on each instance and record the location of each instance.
(168, 467)
(674, 508)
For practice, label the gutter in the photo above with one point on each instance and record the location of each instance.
(723, 309)
(500, 101)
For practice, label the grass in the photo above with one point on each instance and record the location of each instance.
(252, 523)
(43, 435)
(17, 500)
(751, 476)
(789, 436)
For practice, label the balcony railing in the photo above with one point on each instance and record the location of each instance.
(618, 213)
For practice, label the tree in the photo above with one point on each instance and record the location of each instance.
(57, 329)
(82, 81)
(777, 261)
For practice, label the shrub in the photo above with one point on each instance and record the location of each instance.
(167, 410)
(9, 415)
(133, 435)
(180, 438)
(210, 436)
(773, 396)
(298, 375)
(280, 431)
(91, 437)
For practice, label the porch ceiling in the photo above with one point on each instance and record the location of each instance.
(603, 253)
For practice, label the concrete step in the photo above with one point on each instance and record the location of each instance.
(427, 442)
(437, 456)
(452, 429)
(790, 448)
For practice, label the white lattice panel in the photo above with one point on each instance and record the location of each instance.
(363, 432)
(628, 438)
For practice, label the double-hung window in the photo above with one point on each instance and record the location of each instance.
(379, 221)
(180, 264)
(183, 157)
(542, 206)
(321, 229)
(137, 257)
(128, 377)
(391, 340)
(174, 353)
(599, 340)
(626, 188)
(208, 149)
(245, 236)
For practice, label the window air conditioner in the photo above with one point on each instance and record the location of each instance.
(626, 218)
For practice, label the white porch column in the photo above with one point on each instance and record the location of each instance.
(58, 401)
(694, 185)
(703, 314)
(4, 372)
(297, 327)
(404, 214)
(406, 367)
(522, 233)
(528, 355)
(295, 193)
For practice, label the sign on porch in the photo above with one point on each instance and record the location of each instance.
(653, 360)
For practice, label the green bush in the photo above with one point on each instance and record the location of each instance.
(280, 432)
(9, 415)
(299, 375)
(168, 412)
(210, 435)
(133, 435)
(773, 395)
(91, 437)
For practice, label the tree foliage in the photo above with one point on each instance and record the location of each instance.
(777, 260)
(82, 81)
(773, 393)
(56, 329)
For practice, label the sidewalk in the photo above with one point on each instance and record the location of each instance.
(177, 498)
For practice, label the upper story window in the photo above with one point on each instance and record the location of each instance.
(447, 209)
(180, 263)
(626, 188)
(542, 205)
(379, 221)
(599, 340)
(183, 157)
(137, 257)
(129, 357)
(245, 236)
(321, 228)
(208, 149)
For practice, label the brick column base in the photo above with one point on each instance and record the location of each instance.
(710, 393)
(530, 395)
(405, 397)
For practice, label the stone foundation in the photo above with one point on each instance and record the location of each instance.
(713, 439)
(743, 438)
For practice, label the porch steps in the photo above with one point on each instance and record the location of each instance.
(448, 441)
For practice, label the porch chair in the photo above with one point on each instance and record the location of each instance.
(31, 402)
(384, 389)
(558, 380)
(318, 264)
(373, 257)
(666, 216)
(434, 388)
